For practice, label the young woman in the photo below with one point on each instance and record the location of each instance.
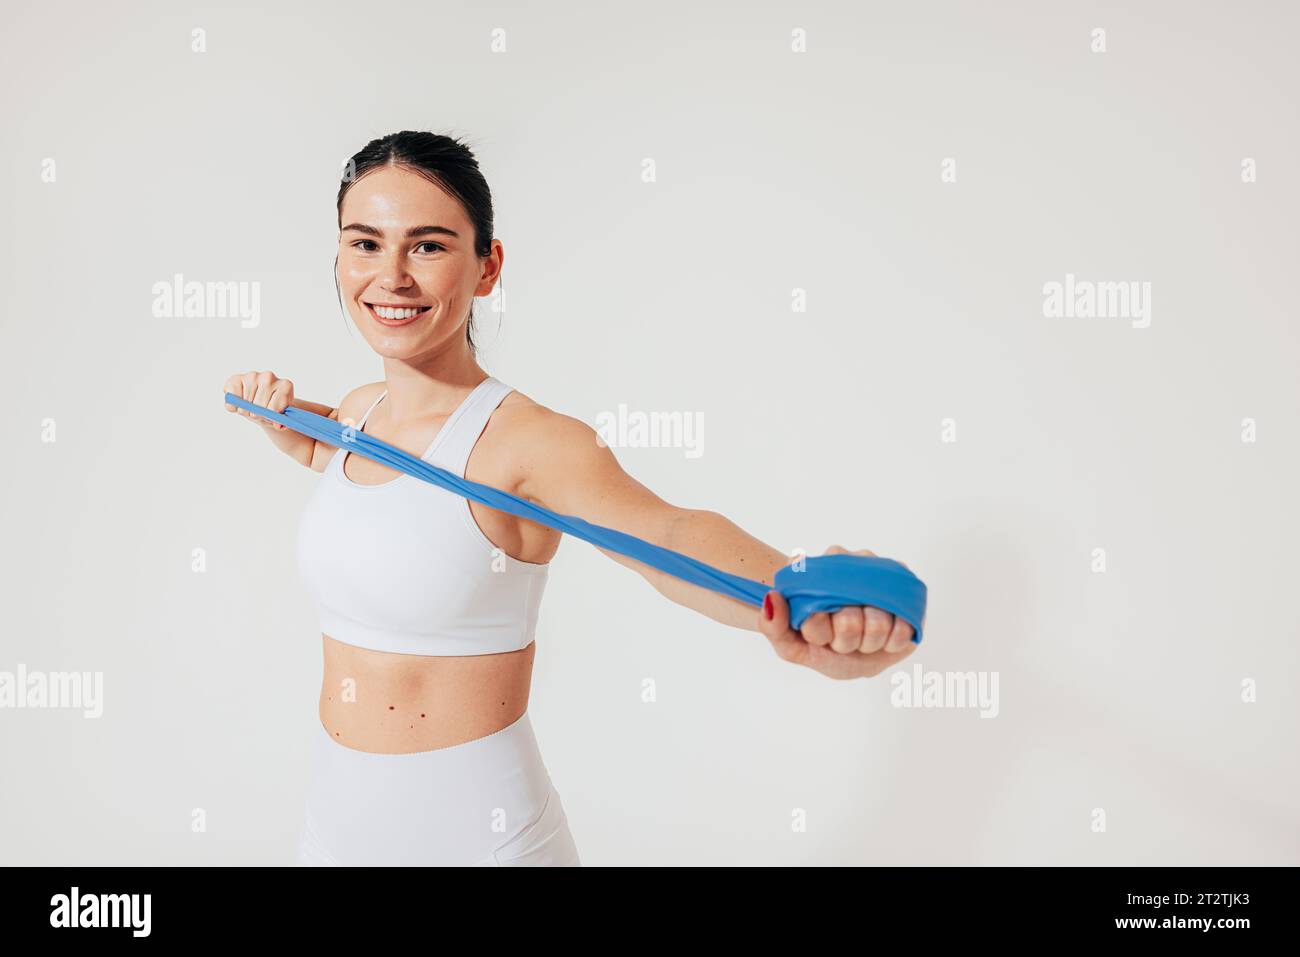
(428, 602)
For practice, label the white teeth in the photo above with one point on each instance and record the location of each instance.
(384, 312)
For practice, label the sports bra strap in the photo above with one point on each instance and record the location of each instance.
(366, 414)
(454, 448)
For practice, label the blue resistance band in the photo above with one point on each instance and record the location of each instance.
(825, 583)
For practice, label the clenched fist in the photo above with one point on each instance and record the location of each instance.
(260, 388)
(854, 642)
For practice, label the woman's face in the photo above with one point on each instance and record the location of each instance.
(407, 245)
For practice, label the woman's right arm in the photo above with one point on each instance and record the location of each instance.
(268, 390)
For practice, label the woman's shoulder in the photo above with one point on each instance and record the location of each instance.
(532, 446)
(556, 460)
(522, 419)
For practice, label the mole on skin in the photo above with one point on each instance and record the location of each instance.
(339, 734)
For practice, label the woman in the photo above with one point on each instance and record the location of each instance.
(428, 602)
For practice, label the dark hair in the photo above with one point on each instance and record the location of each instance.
(444, 161)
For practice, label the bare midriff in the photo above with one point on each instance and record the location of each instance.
(389, 703)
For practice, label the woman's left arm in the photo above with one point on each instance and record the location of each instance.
(571, 472)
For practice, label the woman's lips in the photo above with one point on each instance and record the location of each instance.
(393, 323)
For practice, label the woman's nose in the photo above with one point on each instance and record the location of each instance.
(393, 273)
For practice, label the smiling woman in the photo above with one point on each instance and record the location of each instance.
(428, 602)
(434, 759)
(452, 169)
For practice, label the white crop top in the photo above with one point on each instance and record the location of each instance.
(402, 566)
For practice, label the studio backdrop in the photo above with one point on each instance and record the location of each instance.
(1005, 292)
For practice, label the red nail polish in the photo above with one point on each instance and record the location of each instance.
(767, 606)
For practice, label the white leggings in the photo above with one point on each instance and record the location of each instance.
(487, 802)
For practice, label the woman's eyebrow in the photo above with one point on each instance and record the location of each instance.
(413, 231)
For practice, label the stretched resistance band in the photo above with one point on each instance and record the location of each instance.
(813, 584)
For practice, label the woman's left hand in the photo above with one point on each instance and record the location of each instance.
(854, 642)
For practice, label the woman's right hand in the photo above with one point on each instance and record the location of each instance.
(264, 389)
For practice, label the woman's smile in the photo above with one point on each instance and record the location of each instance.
(390, 315)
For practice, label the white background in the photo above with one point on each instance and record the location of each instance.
(775, 171)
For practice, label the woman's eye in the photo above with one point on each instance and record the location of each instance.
(365, 244)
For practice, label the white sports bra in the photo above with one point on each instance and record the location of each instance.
(402, 566)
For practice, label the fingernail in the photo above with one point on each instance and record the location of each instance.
(767, 606)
